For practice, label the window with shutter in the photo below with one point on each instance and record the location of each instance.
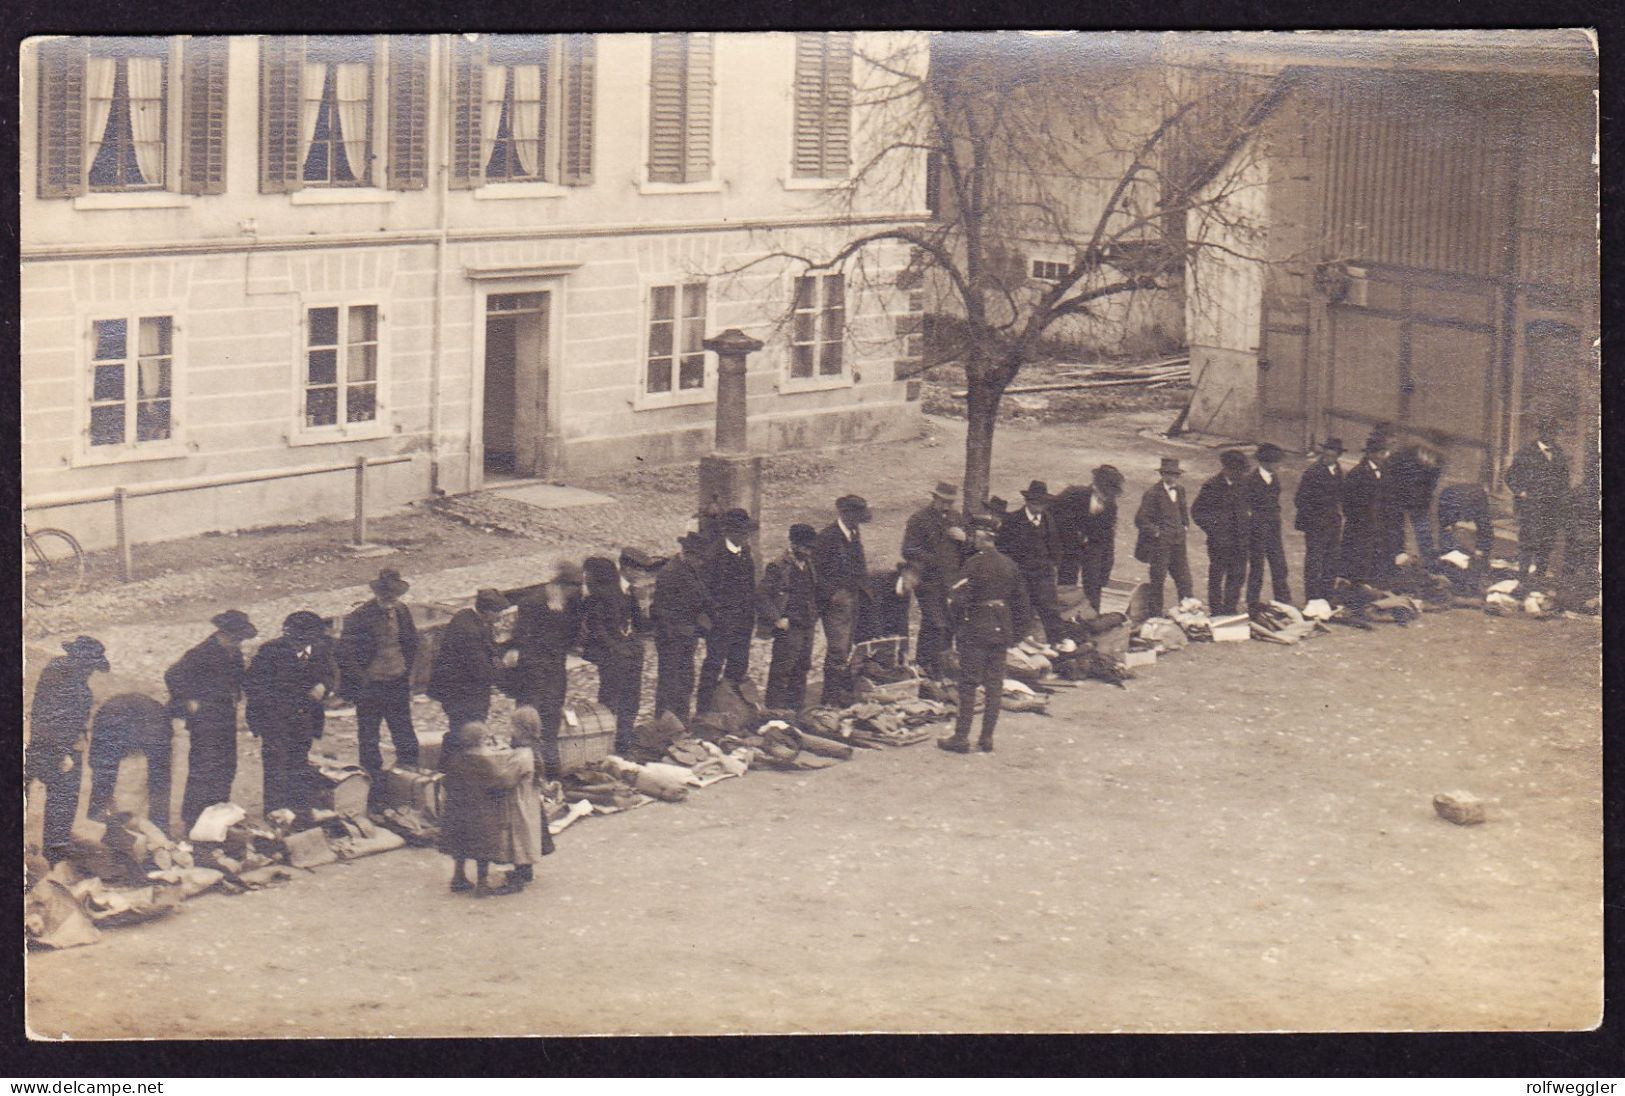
(580, 77)
(61, 119)
(467, 103)
(203, 112)
(336, 111)
(281, 62)
(680, 77)
(408, 166)
(823, 105)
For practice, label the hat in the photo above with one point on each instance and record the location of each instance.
(802, 533)
(88, 649)
(692, 540)
(1233, 460)
(945, 490)
(997, 506)
(235, 623)
(1170, 465)
(853, 506)
(1333, 444)
(738, 523)
(389, 583)
(1268, 454)
(1037, 491)
(303, 624)
(1109, 478)
(567, 571)
(600, 571)
(1375, 441)
(490, 600)
(637, 557)
(986, 522)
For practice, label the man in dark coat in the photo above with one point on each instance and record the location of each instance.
(1086, 526)
(681, 613)
(1319, 517)
(1463, 504)
(842, 574)
(204, 688)
(288, 675)
(1162, 518)
(375, 654)
(1539, 480)
(467, 664)
(885, 609)
(1368, 550)
(547, 629)
(1028, 537)
(130, 723)
(57, 721)
(786, 609)
(1263, 488)
(731, 578)
(1413, 476)
(1221, 512)
(934, 541)
(994, 611)
(612, 629)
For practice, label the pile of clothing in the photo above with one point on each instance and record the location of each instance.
(1279, 622)
(1192, 616)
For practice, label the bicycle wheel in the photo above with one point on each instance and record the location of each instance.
(56, 567)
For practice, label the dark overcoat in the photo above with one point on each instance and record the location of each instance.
(1033, 548)
(1161, 520)
(1319, 500)
(840, 563)
(465, 661)
(1220, 511)
(358, 642)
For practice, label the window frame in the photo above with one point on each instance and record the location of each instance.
(378, 121)
(382, 423)
(645, 400)
(550, 154)
(846, 377)
(561, 124)
(169, 97)
(129, 450)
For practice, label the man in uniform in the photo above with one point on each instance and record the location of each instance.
(1161, 520)
(842, 573)
(375, 654)
(731, 578)
(204, 688)
(1539, 480)
(1028, 537)
(1319, 517)
(786, 609)
(1220, 511)
(681, 613)
(1263, 487)
(991, 603)
(934, 541)
(466, 665)
(57, 721)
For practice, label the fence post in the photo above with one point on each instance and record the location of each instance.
(121, 532)
(359, 535)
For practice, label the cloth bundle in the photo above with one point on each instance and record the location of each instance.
(1163, 633)
(1192, 617)
(1278, 622)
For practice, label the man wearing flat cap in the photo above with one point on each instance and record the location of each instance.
(991, 604)
(204, 688)
(467, 664)
(58, 718)
(934, 541)
(375, 654)
(1161, 520)
(1220, 511)
(1086, 525)
(1319, 517)
(1263, 485)
(288, 675)
(1027, 536)
(786, 609)
(843, 573)
(681, 613)
(731, 578)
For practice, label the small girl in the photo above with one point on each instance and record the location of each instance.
(488, 786)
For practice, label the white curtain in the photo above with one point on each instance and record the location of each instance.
(525, 121)
(355, 98)
(145, 80)
(153, 356)
(99, 73)
(310, 105)
(496, 79)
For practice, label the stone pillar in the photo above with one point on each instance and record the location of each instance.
(731, 477)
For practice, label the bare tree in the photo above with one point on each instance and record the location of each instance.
(1128, 158)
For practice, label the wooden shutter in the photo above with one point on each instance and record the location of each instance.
(282, 61)
(576, 102)
(697, 108)
(837, 158)
(203, 116)
(408, 167)
(467, 106)
(823, 105)
(61, 119)
(667, 102)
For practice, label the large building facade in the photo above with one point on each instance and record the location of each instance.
(492, 255)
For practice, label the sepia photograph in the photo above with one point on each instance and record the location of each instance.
(810, 532)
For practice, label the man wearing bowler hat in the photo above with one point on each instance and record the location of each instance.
(934, 541)
(1263, 486)
(681, 613)
(1086, 525)
(731, 578)
(843, 575)
(1161, 520)
(1319, 506)
(288, 674)
(1220, 510)
(1028, 537)
(1368, 544)
(204, 688)
(467, 665)
(375, 655)
(990, 601)
(786, 610)
(58, 718)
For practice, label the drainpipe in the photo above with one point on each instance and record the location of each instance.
(436, 338)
